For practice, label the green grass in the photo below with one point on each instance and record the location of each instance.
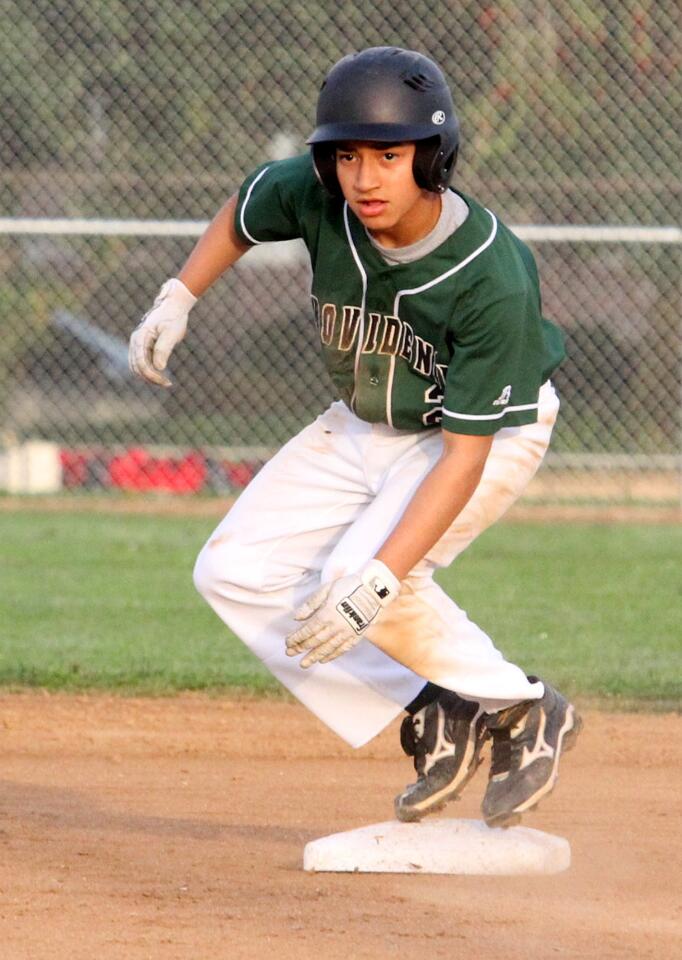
(91, 600)
(106, 601)
(596, 608)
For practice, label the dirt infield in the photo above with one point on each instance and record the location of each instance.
(142, 828)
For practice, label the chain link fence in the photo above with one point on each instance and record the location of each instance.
(152, 110)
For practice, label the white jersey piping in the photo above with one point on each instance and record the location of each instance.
(246, 200)
(425, 286)
(489, 416)
(389, 390)
(361, 330)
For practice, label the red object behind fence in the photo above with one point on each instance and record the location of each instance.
(74, 468)
(137, 470)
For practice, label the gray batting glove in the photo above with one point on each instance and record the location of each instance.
(160, 331)
(336, 617)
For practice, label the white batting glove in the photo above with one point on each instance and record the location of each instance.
(340, 612)
(160, 331)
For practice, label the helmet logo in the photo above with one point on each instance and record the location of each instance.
(438, 118)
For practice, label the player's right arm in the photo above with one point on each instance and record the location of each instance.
(165, 325)
(268, 207)
(219, 247)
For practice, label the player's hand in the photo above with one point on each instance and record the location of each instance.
(336, 617)
(160, 331)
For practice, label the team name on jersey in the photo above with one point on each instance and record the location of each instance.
(384, 334)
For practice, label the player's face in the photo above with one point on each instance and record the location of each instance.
(377, 181)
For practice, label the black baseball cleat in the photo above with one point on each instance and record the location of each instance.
(527, 742)
(445, 738)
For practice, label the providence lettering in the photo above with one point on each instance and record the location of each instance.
(384, 334)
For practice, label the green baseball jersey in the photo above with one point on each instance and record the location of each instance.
(455, 338)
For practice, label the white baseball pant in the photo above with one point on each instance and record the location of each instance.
(320, 509)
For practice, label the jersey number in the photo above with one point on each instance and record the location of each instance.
(434, 395)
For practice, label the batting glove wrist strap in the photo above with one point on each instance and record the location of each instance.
(384, 585)
(175, 291)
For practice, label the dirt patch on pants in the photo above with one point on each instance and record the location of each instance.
(143, 828)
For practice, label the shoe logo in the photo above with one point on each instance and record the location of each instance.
(504, 397)
(540, 748)
(442, 747)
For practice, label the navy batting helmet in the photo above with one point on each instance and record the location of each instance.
(387, 95)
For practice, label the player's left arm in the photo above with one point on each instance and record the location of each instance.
(437, 502)
(335, 618)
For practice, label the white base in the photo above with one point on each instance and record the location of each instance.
(439, 846)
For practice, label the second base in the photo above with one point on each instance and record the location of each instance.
(439, 846)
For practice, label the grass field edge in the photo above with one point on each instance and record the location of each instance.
(589, 702)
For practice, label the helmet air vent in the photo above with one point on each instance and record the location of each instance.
(418, 81)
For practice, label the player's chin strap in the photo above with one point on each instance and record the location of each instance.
(340, 612)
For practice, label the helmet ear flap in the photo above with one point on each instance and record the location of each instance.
(324, 163)
(432, 166)
(447, 168)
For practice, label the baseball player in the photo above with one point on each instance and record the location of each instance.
(428, 314)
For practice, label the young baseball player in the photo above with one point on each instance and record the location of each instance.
(428, 313)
